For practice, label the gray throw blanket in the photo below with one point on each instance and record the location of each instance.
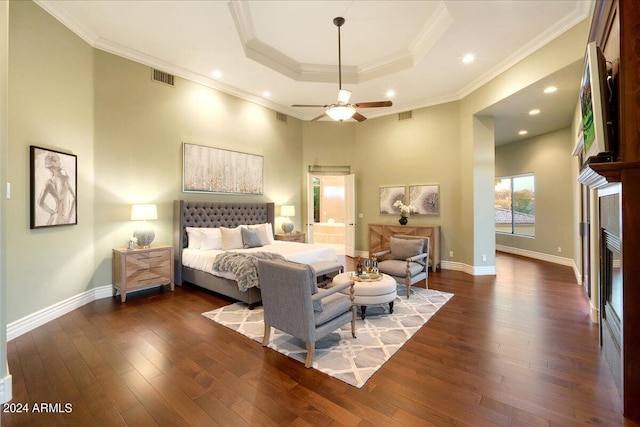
(243, 265)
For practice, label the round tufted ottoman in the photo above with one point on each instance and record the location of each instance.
(369, 293)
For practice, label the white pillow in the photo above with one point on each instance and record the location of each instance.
(269, 228)
(231, 238)
(211, 238)
(194, 238)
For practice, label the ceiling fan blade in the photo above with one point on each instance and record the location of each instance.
(319, 117)
(373, 104)
(359, 117)
(310, 105)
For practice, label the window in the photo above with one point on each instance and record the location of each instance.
(515, 205)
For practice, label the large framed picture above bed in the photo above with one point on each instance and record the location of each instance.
(214, 170)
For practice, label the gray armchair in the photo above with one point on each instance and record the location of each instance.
(293, 303)
(407, 261)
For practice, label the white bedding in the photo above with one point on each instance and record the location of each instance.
(293, 251)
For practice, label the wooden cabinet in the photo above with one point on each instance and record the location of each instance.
(293, 237)
(379, 235)
(141, 268)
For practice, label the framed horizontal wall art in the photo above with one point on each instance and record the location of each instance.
(54, 177)
(388, 196)
(213, 170)
(426, 199)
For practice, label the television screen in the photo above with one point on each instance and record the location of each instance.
(595, 103)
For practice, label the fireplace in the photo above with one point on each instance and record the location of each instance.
(611, 283)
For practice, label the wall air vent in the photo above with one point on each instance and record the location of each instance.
(281, 117)
(404, 116)
(162, 77)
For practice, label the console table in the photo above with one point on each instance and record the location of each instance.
(379, 235)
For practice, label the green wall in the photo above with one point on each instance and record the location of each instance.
(4, 84)
(50, 105)
(549, 158)
(139, 131)
(127, 132)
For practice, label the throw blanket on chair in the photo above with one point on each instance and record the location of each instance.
(243, 266)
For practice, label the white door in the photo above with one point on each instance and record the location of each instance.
(350, 215)
(310, 207)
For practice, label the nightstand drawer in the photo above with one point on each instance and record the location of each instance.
(294, 237)
(141, 268)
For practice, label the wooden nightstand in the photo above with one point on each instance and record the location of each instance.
(141, 268)
(293, 237)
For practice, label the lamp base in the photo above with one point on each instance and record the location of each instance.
(145, 237)
(287, 227)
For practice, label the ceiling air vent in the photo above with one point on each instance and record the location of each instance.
(162, 77)
(281, 117)
(404, 116)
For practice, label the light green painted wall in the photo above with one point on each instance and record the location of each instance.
(386, 152)
(4, 103)
(420, 150)
(127, 132)
(549, 158)
(140, 128)
(50, 105)
(557, 54)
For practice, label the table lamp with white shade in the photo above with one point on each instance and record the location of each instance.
(287, 211)
(144, 233)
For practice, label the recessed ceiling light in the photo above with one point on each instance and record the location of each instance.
(523, 132)
(266, 94)
(550, 89)
(217, 74)
(534, 112)
(391, 93)
(468, 58)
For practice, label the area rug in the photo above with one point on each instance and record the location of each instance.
(352, 360)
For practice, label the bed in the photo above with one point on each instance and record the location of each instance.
(195, 266)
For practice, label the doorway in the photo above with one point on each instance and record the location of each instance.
(331, 211)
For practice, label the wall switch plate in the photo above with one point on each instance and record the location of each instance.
(484, 258)
(360, 215)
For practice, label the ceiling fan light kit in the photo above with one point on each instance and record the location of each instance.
(343, 110)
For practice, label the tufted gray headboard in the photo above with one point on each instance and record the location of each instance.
(188, 213)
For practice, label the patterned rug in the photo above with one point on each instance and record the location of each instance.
(352, 360)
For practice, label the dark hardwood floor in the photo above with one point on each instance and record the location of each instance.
(516, 349)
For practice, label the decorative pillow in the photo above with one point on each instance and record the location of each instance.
(211, 238)
(231, 238)
(262, 231)
(269, 228)
(405, 248)
(250, 238)
(194, 239)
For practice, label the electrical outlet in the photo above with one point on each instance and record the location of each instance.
(484, 258)
(559, 249)
(360, 215)
(450, 254)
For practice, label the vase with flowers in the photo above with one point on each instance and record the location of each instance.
(405, 211)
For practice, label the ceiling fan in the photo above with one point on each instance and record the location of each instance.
(343, 110)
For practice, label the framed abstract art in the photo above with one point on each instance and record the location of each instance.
(426, 199)
(214, 170)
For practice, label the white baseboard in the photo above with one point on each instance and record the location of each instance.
(5, 388)
(484, 270)
(39, 318)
